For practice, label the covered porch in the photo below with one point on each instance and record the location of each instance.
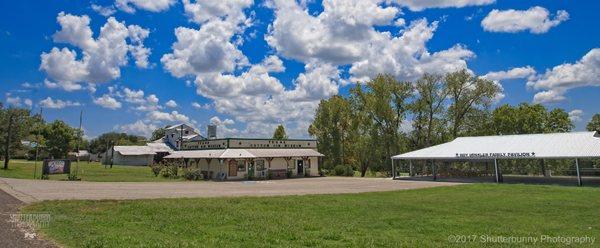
(239, 164)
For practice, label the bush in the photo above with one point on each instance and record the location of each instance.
(343, 170)
(288, 173)
(156, 168)
(193, 174)
(170, 171)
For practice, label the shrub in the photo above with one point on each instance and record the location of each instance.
(170, 170)
(288, 174)
(193, 174)
(343, 170)
(156, 168)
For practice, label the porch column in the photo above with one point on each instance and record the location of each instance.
(197, 160)
(287, 164)
(579, 183)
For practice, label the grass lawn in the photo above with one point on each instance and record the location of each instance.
(424, 218)
(93, 171)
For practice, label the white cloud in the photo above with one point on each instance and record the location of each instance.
(418, 5)
(575, 115)
(200, 106)
(224, 128)
(129, 6)
(101, 58)
(133, 96)
(171, 104)
(535, 19)
(28, 102)
(514, 73)
(138, 128)
(105, 11)
(108, 102)
(174, 116)
(57, 104)
(556, 82)
(337, 38)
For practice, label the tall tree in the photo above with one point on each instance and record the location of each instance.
(15, 125)
(103, 142)
(384, 101)
(279, 133)
(467, 94)
(332, 120)
(60, 138)
(594, 124)
(428, 110)
(526, 119)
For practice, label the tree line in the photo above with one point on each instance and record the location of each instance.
(384, 117)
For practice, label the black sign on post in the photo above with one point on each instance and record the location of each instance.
(56, 166)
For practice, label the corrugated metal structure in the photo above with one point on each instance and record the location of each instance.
(575, 145)
(245, 153)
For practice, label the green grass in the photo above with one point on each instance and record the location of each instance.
(93, 171)
(424, 218)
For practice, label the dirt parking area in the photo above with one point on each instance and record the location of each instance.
(38, 190)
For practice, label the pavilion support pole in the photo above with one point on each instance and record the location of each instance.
(497, 169)
(410, 168)
(393, 170)
(579, 183)
(433, 171)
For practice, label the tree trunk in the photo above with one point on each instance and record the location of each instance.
(7, 145)
(363, 169)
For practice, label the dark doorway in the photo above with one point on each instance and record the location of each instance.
(300, 166)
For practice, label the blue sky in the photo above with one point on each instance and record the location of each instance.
(247, 66)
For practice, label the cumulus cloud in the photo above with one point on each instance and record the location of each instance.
(171, 104)
(105, 11)
(101, 57)
(514, 73)
(535, 19)
(575, 115)
(138, 128)
(57, 104)
(561, 78)
(174, 116)
(17, 101)
(340, 45)
(107, 101)
(418, 5)
(129, 6)
(200, 106)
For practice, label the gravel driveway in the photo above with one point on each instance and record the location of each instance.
(38, 190)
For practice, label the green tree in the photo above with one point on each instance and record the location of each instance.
(60, 138)
(103, 142)
(468, 95)
(332, 120)
(158, 133)
(527, 119)
(428, 111)
(594, 124)
(279, 133)
(384, 101)
(15, 126)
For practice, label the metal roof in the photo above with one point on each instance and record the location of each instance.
(159, 147)
(552, 145)
(134, 150)
(245, 153)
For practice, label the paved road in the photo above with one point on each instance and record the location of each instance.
(15, 234)
(36, 190)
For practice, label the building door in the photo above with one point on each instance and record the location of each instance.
(233, 168)
(300, 166)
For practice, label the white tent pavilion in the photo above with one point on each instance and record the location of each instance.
(575, 145)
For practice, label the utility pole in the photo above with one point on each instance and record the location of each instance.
(8, 136)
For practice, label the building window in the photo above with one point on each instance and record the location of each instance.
(241, 165)
(260, 165)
